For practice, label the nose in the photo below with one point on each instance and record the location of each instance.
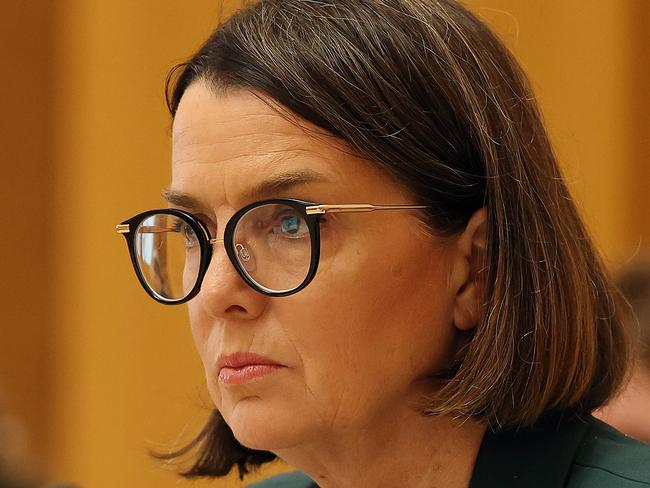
(224, 294)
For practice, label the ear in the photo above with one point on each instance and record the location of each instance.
(467, 273)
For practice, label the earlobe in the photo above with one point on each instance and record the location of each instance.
(468, 272)
(467, 308)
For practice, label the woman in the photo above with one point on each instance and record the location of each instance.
(387, 280)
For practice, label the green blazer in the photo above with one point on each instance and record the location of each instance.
(560, 453)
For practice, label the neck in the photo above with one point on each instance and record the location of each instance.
(407, 449)
(629, 411)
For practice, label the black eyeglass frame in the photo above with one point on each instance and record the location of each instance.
(206, 243)
(310, 211)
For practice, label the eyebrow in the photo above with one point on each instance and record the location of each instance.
(277, 184)
(180, 199)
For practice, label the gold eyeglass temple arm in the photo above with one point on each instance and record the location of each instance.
(361, 207)
(124, 229)
(311, 210)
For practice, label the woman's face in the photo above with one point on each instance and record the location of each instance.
(357, 343)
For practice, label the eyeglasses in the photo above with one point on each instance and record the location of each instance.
(273, 244)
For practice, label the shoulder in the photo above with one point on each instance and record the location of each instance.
(607, 458)
(563, 450)
(295, 479)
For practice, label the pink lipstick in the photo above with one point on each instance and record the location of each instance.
(242, 367)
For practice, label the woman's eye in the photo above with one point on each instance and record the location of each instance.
(290, 225)
(189, 236)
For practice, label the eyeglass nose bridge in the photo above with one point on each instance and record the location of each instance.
(215, 241)
(241, 250)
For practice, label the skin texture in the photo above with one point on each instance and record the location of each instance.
(384, 312)
(628, 412)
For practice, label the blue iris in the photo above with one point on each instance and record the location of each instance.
(290, 224)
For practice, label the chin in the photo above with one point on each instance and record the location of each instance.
(256, 424)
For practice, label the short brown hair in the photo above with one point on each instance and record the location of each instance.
(426, 91)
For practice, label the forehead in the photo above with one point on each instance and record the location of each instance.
(236, 121)
(225, 143)
(210, 128)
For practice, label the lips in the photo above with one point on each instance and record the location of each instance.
(241, 367)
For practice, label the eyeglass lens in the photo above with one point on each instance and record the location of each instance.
(273, 246)
(168, 254)
(271, 243)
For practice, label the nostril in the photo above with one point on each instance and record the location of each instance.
(235, 308)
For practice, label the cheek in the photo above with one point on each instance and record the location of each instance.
(207, 343)
(370, 327)
(398, 291)
(207, 339)
(199, 332)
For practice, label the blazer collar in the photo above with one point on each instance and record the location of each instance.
(538, 457)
